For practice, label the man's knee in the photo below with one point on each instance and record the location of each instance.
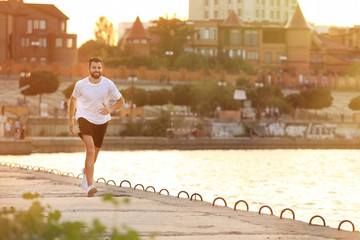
(90, 150)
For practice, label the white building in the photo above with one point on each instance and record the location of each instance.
(277, 11)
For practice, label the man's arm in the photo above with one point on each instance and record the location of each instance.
(108, 109)
(72, 106)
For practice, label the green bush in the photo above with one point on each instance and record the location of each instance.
(39, 223)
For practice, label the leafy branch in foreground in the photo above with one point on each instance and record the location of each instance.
(39, 222)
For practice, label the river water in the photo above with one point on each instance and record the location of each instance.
(310, 182)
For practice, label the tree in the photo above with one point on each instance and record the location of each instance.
(160, 97)
(38, 83)
(295, 99)
(93, 48)
(183, 94)
(173, 35)
(69, 90)
(138, 96)
(316, 98)
(355, 103)
(104, 31)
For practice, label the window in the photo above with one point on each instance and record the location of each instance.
(213, 34)
(239, 1)
(253, 55)
(227, 37)
(278, 14)
(35, 24)
(43, 60)
(136, 41)
(42, 42)
(206, 2)
(42, 25)
(239, 12)
(268, 57)
(251, 38)
(69, 43)
(257, 13)
(215, 14)
(316, 58)
(271, 14)
(63, 26)
(263, 13)
(272, 3)
(59, 42)
(235, 37)
(25, 42)
(143, 41)
(229, 1)
(206, 34)
(29, 26)
(216, 2)
(206, 14)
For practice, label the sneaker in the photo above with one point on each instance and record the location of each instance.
(84, 181)
(91, 190)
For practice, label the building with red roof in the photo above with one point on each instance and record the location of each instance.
(35, 33)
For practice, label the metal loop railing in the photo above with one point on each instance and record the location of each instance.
(164, 189)
(287, 209)
(242, 201)
(188, 196)
(126, 182)
(317, 216)
(150, 187)
(348, 221)
(101, 179)
(266, 206)
(219, 198)
(107, 183)
(194, 195)
(140, 186)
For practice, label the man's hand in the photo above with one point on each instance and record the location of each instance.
(105, 110)
(71, 126)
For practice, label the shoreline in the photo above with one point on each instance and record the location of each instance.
(74, 144)
(168, 216)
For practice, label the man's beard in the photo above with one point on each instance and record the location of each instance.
(96, 75)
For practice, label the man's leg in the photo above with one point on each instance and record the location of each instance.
(90, 158)
(97, 150)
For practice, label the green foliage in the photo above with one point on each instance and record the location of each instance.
(97, 48)
(104, 31)
(69, 90)
(191, 61)
(208, 95)
(316, 98)
(138, 96)
(160, 97)
(183, 94)
(156, 128)
(270, 96)
(39, 82)
(172, 34)
(295, 99)
(39, 222)
(355, 103)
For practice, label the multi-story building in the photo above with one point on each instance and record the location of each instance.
(277, 11)
(35, 33)
(292, 47)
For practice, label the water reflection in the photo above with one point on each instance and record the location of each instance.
(311, 182)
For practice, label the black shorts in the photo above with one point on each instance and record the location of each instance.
(97, 131)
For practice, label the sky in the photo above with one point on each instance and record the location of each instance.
(84, 14)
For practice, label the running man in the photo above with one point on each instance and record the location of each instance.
(90, 98)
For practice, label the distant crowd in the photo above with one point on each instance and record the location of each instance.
(14, 129)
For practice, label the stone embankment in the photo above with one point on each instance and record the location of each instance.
(74, 144)
(169, 217)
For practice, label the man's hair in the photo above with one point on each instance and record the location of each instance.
(95, 59)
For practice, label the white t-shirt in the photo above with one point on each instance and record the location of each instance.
(90, 98)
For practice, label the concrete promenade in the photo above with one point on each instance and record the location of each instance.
(167, 216)
(74, 144)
